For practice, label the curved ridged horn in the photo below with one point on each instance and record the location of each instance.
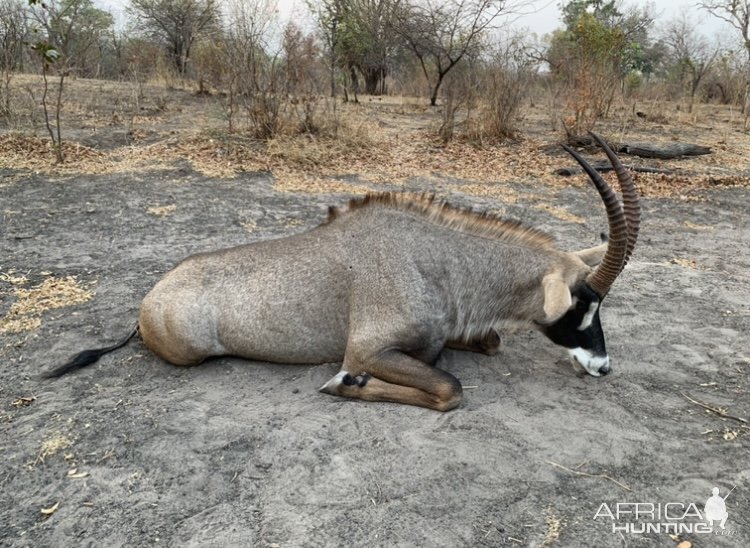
(601, 279)
(630, 202)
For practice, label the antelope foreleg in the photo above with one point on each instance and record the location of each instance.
(396, 377)
(488, 344)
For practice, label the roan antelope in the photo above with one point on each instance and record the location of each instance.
(384, 285)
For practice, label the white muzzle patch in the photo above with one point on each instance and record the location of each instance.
(594, 365)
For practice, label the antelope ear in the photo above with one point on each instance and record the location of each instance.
(557, 298)
(593, 255)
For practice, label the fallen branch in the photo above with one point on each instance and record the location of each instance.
(602, 168)
(586, 474)
(713, 409)
(664, 152)
(645, 150)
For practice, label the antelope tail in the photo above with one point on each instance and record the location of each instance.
(87, 357)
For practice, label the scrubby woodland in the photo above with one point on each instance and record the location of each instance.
(266, 76)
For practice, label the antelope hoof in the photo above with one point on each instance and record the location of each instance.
(343, 380)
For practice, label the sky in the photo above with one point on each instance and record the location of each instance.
(547, 18)
(542, 18)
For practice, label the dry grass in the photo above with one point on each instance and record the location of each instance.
(162, 211)
(11, 278)
(561, 213)
(25, 314)
(52, 446)
(249, 225)
(555, 526)
(696, 226)
(19, 150)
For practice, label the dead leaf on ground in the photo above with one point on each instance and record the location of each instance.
(249, 225)
(685, 263)
(11, 278)
(73, 473)
(51, 510)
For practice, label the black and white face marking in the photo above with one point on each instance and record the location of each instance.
(588, 318)
(580, 331)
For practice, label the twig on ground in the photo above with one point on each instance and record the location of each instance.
(714, 409)
(586, 474)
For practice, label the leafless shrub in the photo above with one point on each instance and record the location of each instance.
(460, 93)
(725, 84)
(505, 83)
(448, 125)
(303, 78)
(483, 100)
(209, 65)
(271, 93)
(252, 81)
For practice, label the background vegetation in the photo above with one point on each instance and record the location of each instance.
(272, 79)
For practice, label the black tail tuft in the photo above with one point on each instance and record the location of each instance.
(87, 357)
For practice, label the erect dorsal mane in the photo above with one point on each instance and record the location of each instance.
(457, 218)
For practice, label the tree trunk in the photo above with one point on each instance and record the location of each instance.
(354, 79)
(333, 75)
(436, 89)
(58, 108)
(372, 80)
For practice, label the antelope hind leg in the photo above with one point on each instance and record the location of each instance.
(396, 377)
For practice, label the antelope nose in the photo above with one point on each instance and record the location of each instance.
(604, 369)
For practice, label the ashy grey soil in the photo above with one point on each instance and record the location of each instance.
(135, 452)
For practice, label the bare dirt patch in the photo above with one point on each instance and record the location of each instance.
(237, 453)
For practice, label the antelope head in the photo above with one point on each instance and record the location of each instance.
(573, 291)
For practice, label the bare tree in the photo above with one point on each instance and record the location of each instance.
(76, 28)
(441, 34)
(329, 15)
(360, 39)
(300, 59)
(252, 71)
(373, 42)
(737, 14)
(691, 53)
(13, 29)
(72, 28)
(176, 24)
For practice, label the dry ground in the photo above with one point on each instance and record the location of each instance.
(134, 451)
